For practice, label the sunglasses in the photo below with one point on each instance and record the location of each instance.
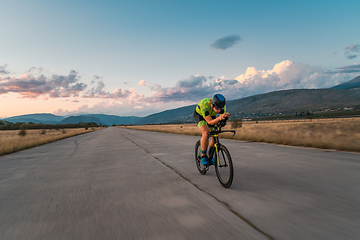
(217, 107)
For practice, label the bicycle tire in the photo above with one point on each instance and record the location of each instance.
(202, 169)
(224, 172)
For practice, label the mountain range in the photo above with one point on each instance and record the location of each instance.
(48, 118)
(345, 95)
(352, 84)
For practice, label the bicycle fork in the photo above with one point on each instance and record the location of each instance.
(216, 149)
(217, 154)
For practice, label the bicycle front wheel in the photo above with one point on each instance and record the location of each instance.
(224, 167)
(202, 169)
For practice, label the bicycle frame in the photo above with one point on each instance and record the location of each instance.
(215, 134)
(222, 156)
(214, 149)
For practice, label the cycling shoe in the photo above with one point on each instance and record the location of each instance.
(204, 161)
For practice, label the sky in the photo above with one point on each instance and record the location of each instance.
(135, 58)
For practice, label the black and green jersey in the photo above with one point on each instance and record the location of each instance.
(204, 109)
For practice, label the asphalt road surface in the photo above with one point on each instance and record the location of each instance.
(128, 184)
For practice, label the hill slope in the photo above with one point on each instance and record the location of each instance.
(285, 102)
(292, 101)
(112, 119)
(83, 119)
(45, 118)
(174, 115)
(355, 83)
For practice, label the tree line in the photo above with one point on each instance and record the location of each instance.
(6, 125)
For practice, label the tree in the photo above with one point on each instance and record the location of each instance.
(22, 132)
(22, 126)
(236, 123)
(309, 115)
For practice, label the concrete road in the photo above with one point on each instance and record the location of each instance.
(128, 184)
(285, 192)
(102, 186)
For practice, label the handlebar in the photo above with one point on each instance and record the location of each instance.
(216, 132)
(222, 123)
(219, 125)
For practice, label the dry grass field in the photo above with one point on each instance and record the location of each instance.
(11, 141)
(339, 134)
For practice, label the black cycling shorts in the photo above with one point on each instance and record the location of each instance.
(200, 119)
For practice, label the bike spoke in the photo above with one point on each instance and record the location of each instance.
(224, 171)
(202, 169)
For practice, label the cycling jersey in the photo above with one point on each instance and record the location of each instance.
(203, 109)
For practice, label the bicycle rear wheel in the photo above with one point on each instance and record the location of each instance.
(202, 169)
(224, 167)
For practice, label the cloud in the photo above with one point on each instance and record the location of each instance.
(349, 69)
(36, 70)
(96, 91)
(95, 77)
(142, 83)
(284, 75)
(226, 42)
(350, 50)
(186, 90)
(192, 81)
(127, 95)
(3, 70)
(353, 48)
(351, 56)
(31, 86)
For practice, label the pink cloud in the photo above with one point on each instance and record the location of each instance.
(142, 83)
(31, 86)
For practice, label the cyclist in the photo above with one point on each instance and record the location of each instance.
(205, 116)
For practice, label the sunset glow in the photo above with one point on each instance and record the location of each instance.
(139, 59)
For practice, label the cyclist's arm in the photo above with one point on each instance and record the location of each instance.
(226, 114)
(214, 121)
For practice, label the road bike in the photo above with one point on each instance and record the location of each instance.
(223, 163)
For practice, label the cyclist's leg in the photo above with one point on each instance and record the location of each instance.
(211, 145)
(212, 142)
(204, 128)
(204, 138)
